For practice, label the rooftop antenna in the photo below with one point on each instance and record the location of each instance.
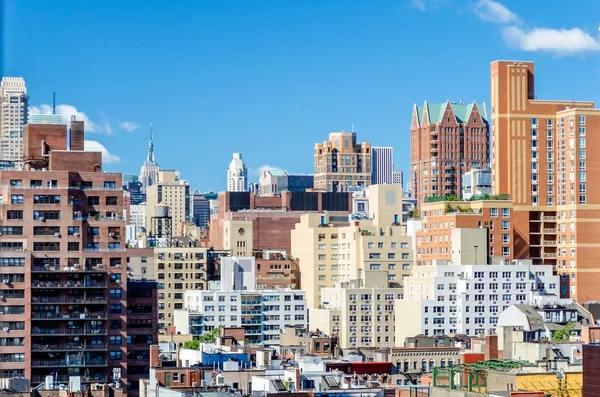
(53, 102)
(150, 129)
(352, 127)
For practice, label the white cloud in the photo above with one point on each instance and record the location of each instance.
(129, 126)
(259, 171)
(493, 11)
(558, 41)
(107, 157)
(66, 111)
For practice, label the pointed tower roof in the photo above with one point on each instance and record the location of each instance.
(150, 160)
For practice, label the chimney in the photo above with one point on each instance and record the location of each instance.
(77, 136)
(154, 360)
(298, 379)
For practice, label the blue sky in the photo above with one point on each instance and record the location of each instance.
(269, 78)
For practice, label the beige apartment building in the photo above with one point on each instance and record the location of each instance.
(238, 237)
(342, 163)
(359, 312)
(329, 254)
(172, 192)
(177, 269)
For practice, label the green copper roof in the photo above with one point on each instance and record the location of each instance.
(278, 172)
(461, 111)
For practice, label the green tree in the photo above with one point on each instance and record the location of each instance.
(207, 337)
(563, 334)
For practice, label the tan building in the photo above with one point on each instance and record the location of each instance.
(540, 161)
(342, 163)
(359, 312)
(276, 269)
(172, 192)
(329, 254)
(439, 219)
(447, 140)
(140, 263)
(178, 269)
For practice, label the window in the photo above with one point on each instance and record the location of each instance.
(494, 212)
(116, 340)
(505, 212)
(505, 225)
(73, 246)
(116, 308)
(117, 355)
(94, 200)
(111, 200)
(72, 230)
(93, 231)
(115, 293)
(46, 199)
(16, 199)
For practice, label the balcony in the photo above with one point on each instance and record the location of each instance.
(66, 269)
(64, 347)
(550, 255)
(549, 242)
(67, 284)
(549, 218)
(98, 378)
(549, 230)
(69, 299)
(68, 331)
(100, 362)
(251, 312)
(104, 249)
(246, 322)
(68, 316)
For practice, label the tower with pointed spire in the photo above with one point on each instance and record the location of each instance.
(150, 168)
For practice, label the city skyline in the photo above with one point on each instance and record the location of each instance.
(252, 105)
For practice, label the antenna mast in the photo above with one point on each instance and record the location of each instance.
(54, 102)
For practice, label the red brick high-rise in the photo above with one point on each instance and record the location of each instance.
(446, 141)
(64, 304)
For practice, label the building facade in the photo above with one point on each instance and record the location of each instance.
(433, 231)
(398, 177)
(262, 313)
(359, 312)
(445, 299)
(178, 269)
(476, 183)
(172, 192)
(14, 101)
(330, 254)
(64, 298)
(276, 269)
(200, 209)
(383, 165)
(446, 140)
(342, 163)
(237, 174)
(540, 160)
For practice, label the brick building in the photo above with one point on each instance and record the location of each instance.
(540, 161)
(247, 222)
(439, 219)
(446, 140)
(276, 269)
(62, 261)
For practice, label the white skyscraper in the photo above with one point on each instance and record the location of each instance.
(150, 168)
(383, 165)
(237, 175)
(13, 97)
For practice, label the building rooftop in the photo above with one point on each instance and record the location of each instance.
(461, 111)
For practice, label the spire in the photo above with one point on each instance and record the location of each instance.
(151, 146)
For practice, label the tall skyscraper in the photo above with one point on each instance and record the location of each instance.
(540, 160)
(341, 163)
(237, 174)
(383, 165)
(150, 168)
(13, 97)
(446, 140)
